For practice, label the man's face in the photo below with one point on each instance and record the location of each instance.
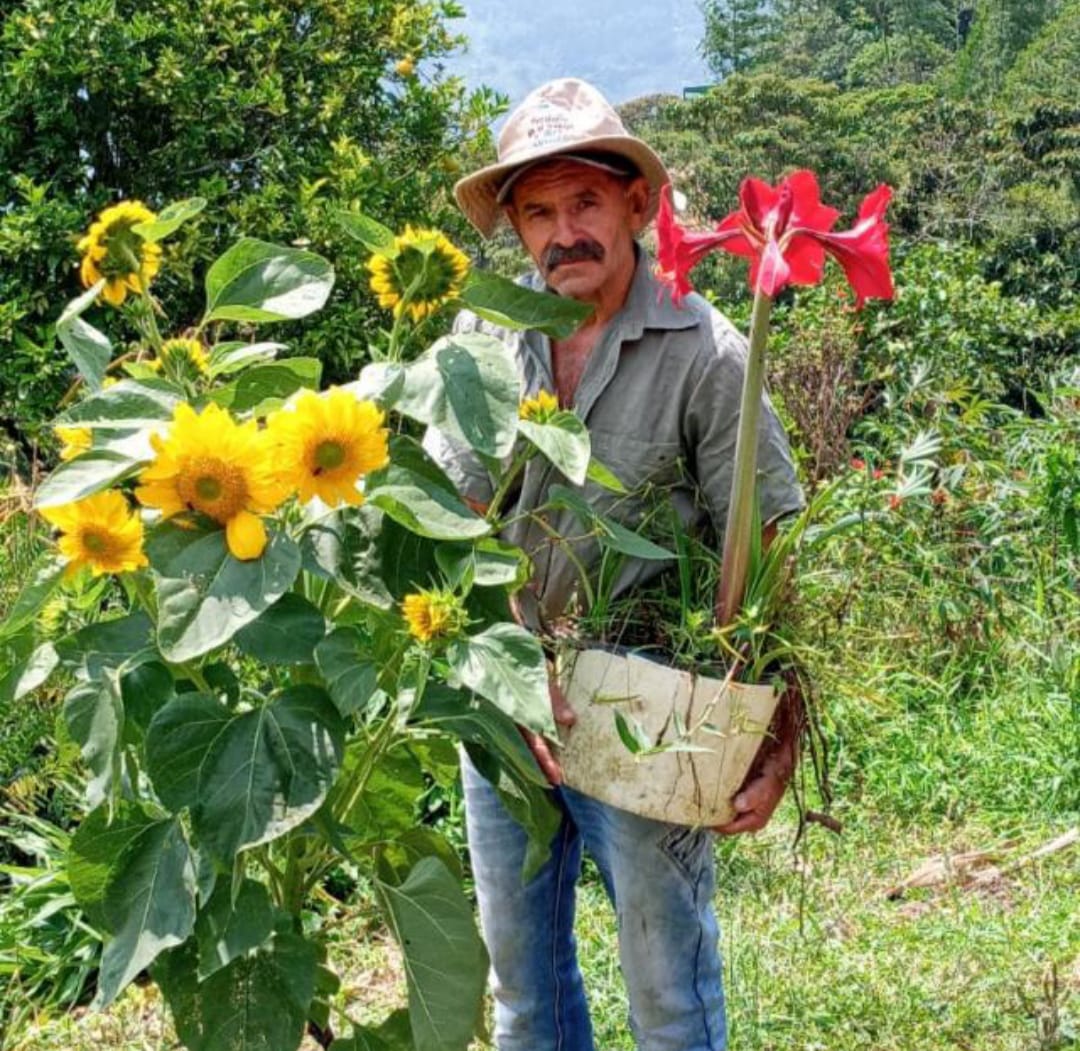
(578, 223)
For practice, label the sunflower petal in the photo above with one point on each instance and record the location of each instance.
(246, 536)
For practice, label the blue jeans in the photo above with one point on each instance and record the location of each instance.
(660, 879)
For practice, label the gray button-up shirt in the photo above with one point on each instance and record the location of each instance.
(660, 397)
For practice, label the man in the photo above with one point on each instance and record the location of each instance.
(657, 387)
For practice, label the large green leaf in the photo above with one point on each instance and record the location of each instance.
(100, 654)
(401, 854)
(264, 387)
(506, 665)
(415, 492)
(487, 562)
(380, 381)
(258, 281)
(529, 804)
(121, 642)
(609, 533)
(131, 403)
(27, 675)
(259, 1002)
(286, 633)
(499, 752)
(505, 302)
(87, 474)
(475, 720)
(144, 690)
(170, 219)
(232, 924)
(205, 595)
(444, 959)
(387, 806)
(247, 777)
(44, 578)
(369, 232)
(468, 387)
(235, 356)
(564, 441)
(94, 715)
(149, 905)
(393, 1034)
(89, 348)
(407, 561)
(95, 849)
(345, 547)
(343, 661)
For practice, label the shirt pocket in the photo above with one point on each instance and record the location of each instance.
(648, 470)
(637, 463)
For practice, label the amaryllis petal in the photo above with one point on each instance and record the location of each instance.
(863, 251)
(806, 260)
(807, 210)
(739, 240)
(772, 270)
(758, 199)
(679, 251)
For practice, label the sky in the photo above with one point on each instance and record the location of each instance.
(627, 48)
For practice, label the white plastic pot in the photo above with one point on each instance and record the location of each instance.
(727, 720)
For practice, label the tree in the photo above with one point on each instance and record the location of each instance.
(1000, 31)
(736, 32)
(278, 112)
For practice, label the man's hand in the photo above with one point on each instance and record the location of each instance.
(538, 745)
(756, 801)
(768, 778)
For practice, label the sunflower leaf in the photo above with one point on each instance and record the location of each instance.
(169, 219)
(258, 281)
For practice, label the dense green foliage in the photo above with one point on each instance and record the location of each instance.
(941, 626)
(278, 112)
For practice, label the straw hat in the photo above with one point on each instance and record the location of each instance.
(562, 117)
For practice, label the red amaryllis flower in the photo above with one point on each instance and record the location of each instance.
(679, 250)
(785, 232)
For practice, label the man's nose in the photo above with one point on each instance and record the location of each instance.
(566, 234)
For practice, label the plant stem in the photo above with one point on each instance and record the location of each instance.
(507, 480)
(380, 743)
(733, 568)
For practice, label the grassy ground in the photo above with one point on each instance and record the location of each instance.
(817, 955)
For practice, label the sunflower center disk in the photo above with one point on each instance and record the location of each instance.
(208, 488)
(328, 455)
(95, 543)
(212, 486)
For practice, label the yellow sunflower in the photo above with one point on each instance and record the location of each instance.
(112, 250)
(325, 443)
(77, 440)
(101, 532)
(182, 359)
(539, 409)
(223, 469)
(426, 272)
(433, 614)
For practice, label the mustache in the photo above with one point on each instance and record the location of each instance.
(578, 252)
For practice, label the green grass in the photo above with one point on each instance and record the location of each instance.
(817, 958)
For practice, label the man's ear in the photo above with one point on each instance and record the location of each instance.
(511, 217)
(637, 199)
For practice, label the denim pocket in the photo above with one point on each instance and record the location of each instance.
(687, 849)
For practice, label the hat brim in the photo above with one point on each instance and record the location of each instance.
(477, 194)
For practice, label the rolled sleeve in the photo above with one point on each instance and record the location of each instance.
(712, 424)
